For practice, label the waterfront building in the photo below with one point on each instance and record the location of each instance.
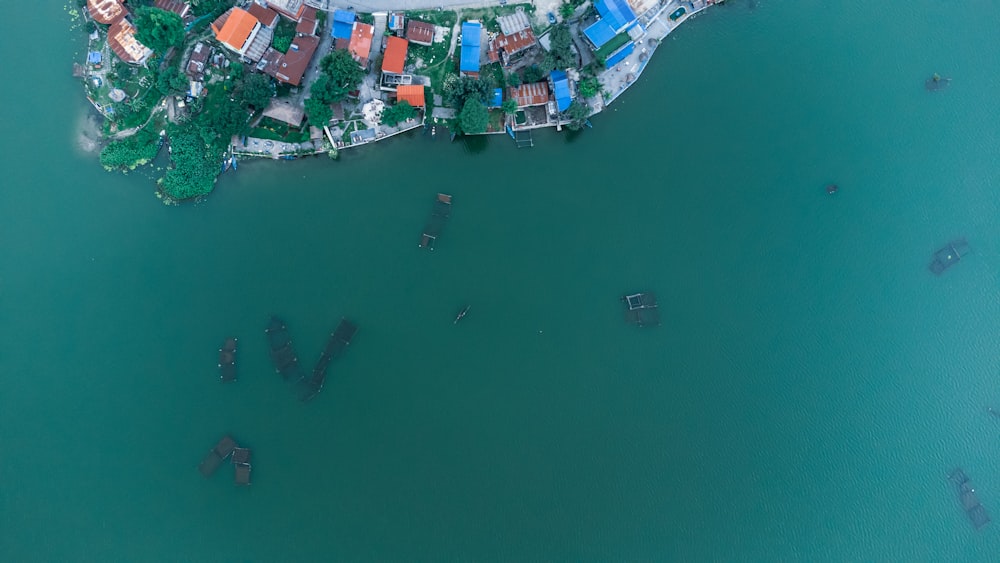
(239, 31)
(531, 94)
(121, 39)
(471, 40)
(503, 47)
(421, 33)
(615, 17)
(413, 94)
(106, 12)
(561, 90)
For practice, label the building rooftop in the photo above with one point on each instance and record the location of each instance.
(471, 39)
(307, 23)
(420, 32)
(289, 67)
(560, 85)
(291, 8)
(175, 6)
(512, 23)
(361, 42)
(412, 94)
(121, 39)
(106, 11)
(395, 55)
(511, 44)
(532, 94)
(343, 24)
(266, 16)
(237, 29)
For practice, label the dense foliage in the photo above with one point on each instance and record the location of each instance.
(533, 74)
(340, 75)
(398, 113)
(284, 33)
(257, 90)
(131, 152)
(459, 89)
(589, 87)
(158, 29)
(210, 7)
(566, 10)
(514, 80)
(577, 112)
(509, 106)
(560, 55)
(474, 117)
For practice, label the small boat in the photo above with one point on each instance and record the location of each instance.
(225, 164)
(832, 189)
(588, 124)
(462, 313)
(233, 161)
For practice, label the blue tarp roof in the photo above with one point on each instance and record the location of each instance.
(94, 57)
(343, 24)
(497, 100)
(599, 33)
(561, 86)
(619, 55)
(470, 47)
(616, 12)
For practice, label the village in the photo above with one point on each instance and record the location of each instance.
(320, 76)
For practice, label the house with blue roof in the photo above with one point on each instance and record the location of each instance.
(561, 90)
(616, 16)
(343, 24)
(471, 40)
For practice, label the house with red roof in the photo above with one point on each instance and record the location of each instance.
(266, 16)
(360, 45)
(394, 57)
(412, 94)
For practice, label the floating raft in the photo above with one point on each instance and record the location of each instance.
(339, 340)
(227, 361)
(970, 502)
(641, 309)
(217, 455)
(282, 352)
(439, 216)
(935, 83)
(241, 460)
(949, 255)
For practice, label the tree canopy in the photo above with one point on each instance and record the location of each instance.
(474, 117)
(256, 90)
(459, 89)
(560, 55)
(589, 87)
(340, 75)
(158, 29)
(578, 113)
(533, 74)
(397, 113)
(509, 106)
(319, 112)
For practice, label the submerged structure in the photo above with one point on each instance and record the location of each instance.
(949, 255)
(227, 361)
(282, 352)
(970, 502)
(935, 83)
(435, 224)
(241, 461)
(641, 309)
(339, 340)
(217, 455)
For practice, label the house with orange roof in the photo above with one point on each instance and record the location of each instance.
(412, 94)
(106, 12)
(395, 55)
(361, 42)
(239, 31)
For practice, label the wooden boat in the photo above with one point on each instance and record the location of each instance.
(949, 255)
(462, 313)
(227, 361)
(217, 455)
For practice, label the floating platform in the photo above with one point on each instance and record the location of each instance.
(935, 83)
(641, 309)
(227, 361)
(435, 224)
(970, 502)
(241, 459)
(949, 255)
(217, 455)
(339, 340)
(283, 356)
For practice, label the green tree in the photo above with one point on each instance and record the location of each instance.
(170, 81)
(132, 151)
(560, 55)
(397, 113)
(533, 74)
(514, 80)
(283, 35)
(589, 87)
(256, 90)
(459, 89)
(319, 112)
(340, 75)
(158, 29)
(566, 10)
(578, 113)
(509, 106)
(474, 117)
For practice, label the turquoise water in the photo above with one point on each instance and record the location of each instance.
(808, 391)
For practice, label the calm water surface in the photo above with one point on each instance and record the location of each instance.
(808, 391)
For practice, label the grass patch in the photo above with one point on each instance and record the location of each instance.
(279, 131)
(611, 46)
(284, 33)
